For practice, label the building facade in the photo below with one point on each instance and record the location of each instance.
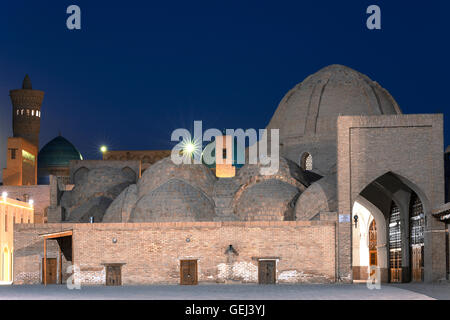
(21, 163)
(12, 213)
(359, 196)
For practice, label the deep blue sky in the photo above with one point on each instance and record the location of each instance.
(139, 69)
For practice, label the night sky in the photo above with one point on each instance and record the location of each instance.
(139, 69)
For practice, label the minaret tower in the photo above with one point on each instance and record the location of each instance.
(27, 112)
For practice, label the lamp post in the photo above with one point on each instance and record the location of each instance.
(355, 219)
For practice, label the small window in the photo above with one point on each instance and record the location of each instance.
(224, 153)
(28, 220)
(21, 220)
(306, 162)
(13, 153)
(32, 112)
(28, 112)
(17, 111)
(21, 112)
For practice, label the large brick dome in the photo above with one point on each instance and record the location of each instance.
(307, 115)
(312, 106)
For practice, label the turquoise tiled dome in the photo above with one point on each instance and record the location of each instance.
(58, 153)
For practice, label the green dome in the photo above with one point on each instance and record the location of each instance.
(58, 153)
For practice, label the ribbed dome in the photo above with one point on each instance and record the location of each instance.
(312, 107)
(58, 153)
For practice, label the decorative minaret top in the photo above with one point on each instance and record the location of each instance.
(26, 84)
(27, 111)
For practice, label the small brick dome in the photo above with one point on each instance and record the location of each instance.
(175, 200)
(288, 172)
(197, 175)
(268, 200)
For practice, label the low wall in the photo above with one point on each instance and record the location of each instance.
(151, 252)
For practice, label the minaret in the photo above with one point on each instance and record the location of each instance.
(27, 112)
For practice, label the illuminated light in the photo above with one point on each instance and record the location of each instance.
(103, 149)
(190, 148)
(31, 202)
(4, 194)
(15, 205)
(28, 156)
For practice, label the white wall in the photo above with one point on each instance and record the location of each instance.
(361, 235)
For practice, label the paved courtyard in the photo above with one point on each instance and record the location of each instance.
(229, 292)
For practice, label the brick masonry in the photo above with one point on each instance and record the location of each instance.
(410, 146)
(151, 252)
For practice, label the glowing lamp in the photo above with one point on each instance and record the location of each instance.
(103, 149)
(31, 202)
(4, 194)
(190, 148)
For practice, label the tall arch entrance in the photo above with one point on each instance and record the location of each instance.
(394, 239)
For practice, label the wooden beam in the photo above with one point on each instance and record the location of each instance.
(45, 262)
(57, 234)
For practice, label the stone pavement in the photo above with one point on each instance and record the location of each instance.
(229, 292)
(440, 291)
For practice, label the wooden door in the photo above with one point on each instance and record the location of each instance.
(51, 270)
(396, 265)
(267, 272)
(417, 263)
(113, 275)
(188, 272)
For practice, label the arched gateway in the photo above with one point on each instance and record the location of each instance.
(380, 159)
(388, 198)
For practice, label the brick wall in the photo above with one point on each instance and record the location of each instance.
(151, 252)
(409, 146)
